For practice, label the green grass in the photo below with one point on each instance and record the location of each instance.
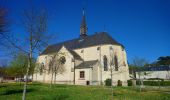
(38, 91)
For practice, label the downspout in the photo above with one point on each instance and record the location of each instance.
(74, 70)
(100, 66)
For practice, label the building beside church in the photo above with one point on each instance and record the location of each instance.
(159, 72)
(87, 60)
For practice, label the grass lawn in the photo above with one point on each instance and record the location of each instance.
(38, 91)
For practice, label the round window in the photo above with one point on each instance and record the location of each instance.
(63, 60)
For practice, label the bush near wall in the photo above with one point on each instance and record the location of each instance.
(151, 83)
(119, 83)
(129, 82)
(108, 82)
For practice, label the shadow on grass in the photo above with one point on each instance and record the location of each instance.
(9, 92)
(61, 97)
(3, 86)
(116, 94)
(59, 86)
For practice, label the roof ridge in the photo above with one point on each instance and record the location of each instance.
(79, 38)
(98, 38)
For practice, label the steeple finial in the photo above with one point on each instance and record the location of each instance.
(83, 26)
(83, 12)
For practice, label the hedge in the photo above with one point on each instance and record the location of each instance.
(119, 83)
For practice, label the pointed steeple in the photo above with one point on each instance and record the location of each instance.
(83, 26)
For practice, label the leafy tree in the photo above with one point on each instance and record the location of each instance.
(2, 73)
(18, 66)
(163, 61)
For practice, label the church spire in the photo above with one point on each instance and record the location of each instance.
(83, 26)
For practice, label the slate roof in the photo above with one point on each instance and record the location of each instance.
(86, 64)
(75, 55)
(87, 41)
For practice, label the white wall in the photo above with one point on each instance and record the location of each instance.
(91, 53)
(65, 77)
(154, 74)
(82, 81)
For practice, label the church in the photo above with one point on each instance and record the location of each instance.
(87, 60)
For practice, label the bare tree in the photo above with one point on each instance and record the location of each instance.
(35, 23)
(139, 63)
(116, 66)
(4, 27)
(56, 66)
(3, 21)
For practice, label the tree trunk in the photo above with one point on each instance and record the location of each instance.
(112, 83)
(29, 66)
(139, 82)
(55, 77)
(51, 79)
(26, 77)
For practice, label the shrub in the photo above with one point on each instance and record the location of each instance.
(129, 82)
(119, 83)
(108, 82)
(166, 83)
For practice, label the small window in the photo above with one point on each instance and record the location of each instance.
(98, 48)
(111, 48)
(81, 74)
(82, 51)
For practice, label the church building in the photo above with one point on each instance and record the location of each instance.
(87, 60)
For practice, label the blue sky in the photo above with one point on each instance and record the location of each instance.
(142, 26)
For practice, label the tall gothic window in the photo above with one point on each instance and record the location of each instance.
(116, 63)
(41, 68)
(105, 63)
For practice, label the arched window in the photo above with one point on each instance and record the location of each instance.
(62, 60)
(50, 66)
(105, 63)
(116, 63)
